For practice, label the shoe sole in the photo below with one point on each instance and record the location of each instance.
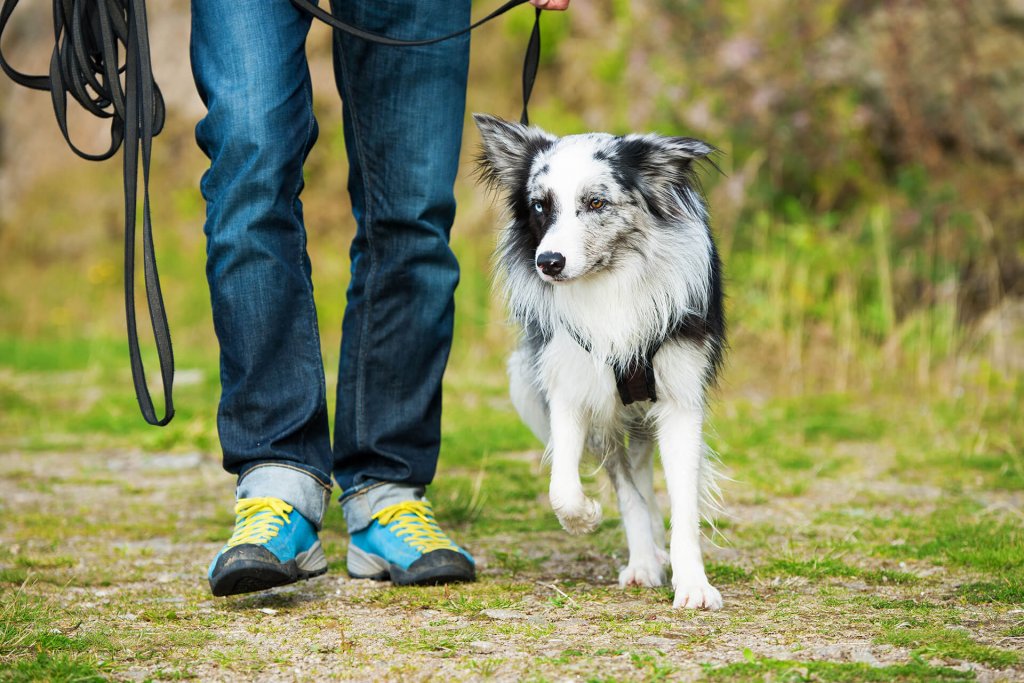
(251, 576)
(363, 565)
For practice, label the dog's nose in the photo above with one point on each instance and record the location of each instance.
(551, 262)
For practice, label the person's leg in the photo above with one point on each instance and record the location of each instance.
(403, 116)
(250, 67)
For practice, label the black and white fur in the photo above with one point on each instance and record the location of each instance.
(630, 229)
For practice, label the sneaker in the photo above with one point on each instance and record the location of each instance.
(272, 546)
(405, 544)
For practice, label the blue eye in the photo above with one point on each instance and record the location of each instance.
(538, 207)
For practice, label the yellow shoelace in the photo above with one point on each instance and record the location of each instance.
(414, 523)
(258, 520)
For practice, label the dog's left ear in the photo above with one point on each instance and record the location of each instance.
(663, 166)
(662, 158)
(508, 150)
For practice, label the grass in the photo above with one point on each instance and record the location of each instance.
(946, 643)
(832, 672)
(40, 642)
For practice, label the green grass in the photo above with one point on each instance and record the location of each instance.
(822, 567)
(1008, 589)
(40, 642)
(831, 672)
(943, 642)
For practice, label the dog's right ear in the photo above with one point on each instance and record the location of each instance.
(508, 150)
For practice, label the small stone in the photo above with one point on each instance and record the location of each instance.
(864, 656)
(267, 610)
(483, 646)
(503, 614)
(655, 641)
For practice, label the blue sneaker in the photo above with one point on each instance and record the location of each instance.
(405, 544)
(271, 546)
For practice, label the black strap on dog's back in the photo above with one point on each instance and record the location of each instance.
(530, 62)
(89, 37)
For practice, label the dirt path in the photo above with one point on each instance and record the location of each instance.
(110, 550)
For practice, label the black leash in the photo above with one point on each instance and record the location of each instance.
(530, 62)
(90, 36)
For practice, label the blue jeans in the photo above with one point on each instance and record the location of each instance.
(403, 114)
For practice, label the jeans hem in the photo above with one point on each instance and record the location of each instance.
(300, 488)
(361, 504)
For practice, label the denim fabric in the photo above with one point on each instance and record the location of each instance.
(289, 484)
(360, 507)
(403, 114)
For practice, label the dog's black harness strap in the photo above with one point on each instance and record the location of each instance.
(635, 381)
(530, 62)
(89, 37)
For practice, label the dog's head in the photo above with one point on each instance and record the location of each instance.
(582, 203)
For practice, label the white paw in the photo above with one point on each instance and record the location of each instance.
(581, 518)
(697, 596)
(645, 574)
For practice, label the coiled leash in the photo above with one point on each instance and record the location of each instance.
(90, 38)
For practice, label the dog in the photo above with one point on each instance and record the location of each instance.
(607, 263)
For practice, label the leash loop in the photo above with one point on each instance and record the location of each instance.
(530, 63)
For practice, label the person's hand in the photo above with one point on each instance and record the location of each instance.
(551, 4)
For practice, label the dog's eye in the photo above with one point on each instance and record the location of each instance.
(597, 204)
(538, 207)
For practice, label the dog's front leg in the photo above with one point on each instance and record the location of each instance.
(577, 513)
(682, 447)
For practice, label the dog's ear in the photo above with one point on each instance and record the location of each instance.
(508, 150)
(659, 158)
(662, 168)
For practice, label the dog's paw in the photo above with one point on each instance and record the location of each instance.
(647, 575)
(697, 596)
(579, 519)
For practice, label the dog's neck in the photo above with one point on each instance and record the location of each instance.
(622, 311)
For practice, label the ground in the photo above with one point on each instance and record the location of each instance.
(879, 542)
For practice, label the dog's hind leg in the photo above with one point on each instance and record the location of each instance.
(646, 557)
(526, 394)
(640, 460)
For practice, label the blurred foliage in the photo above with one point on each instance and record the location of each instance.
(869, 210)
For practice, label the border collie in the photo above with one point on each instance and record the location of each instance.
(608, 265)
